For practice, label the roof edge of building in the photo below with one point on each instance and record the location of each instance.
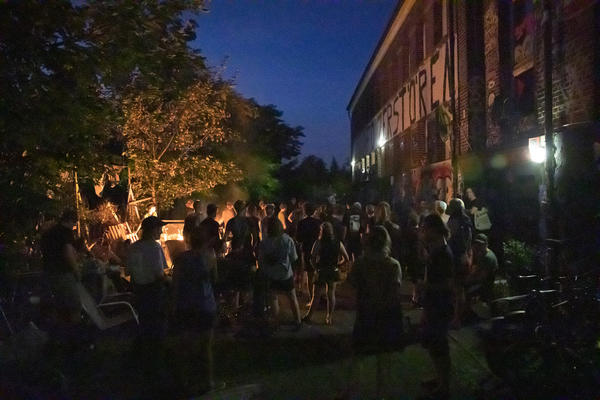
(395, 22)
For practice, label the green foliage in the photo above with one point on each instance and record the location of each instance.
(87, 84)
(261, 142)
(312, 180)
(167, 140)
(51, 116)
(518, 254)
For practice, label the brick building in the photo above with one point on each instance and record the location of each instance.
(402, 142)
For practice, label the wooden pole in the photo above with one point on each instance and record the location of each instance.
(77, 197)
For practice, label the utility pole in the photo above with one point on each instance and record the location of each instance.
(550, 212)
(451, 69)
(548, 125)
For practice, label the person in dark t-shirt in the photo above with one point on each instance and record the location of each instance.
(337, 220)
(60, 266)
(192, 221)
(437, 301)
(308, 233)
(212, 227)
(241, 257)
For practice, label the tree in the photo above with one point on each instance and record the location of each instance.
(263, 142)
(169, 142)
(334, 168)
(52, 118)
(65, 70)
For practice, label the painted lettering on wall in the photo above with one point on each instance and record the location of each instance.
(417, 98)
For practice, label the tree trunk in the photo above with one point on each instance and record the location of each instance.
(154, 201)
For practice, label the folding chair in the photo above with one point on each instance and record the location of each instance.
(98, 317)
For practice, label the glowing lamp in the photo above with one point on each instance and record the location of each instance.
(537, 149)
(352, 163)
(381, 141)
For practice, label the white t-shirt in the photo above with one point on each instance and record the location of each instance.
(146, 262)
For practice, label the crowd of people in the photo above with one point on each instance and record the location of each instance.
(300, 250)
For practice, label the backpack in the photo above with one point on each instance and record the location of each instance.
(354, 224)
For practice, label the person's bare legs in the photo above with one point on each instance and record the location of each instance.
(315, 301)
(293, 299)
(275, 305)
(330, 302)
(311, 285)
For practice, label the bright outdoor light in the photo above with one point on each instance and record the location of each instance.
(352, 163)
(381, 141)
(537, 149)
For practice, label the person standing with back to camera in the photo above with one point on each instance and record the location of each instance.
(437, 292)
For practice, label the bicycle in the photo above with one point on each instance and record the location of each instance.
(547, 347)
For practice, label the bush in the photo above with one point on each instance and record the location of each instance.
(517, 256)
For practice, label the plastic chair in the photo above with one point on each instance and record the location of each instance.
(96, 314)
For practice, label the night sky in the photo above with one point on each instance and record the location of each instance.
(304, 56)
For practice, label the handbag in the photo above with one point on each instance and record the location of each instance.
(482, 220)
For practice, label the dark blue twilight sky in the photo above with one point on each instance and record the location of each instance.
(304, 56)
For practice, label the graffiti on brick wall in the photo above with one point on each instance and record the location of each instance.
(491, 24)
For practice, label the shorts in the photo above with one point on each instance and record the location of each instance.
(328, 276)
(286, 285)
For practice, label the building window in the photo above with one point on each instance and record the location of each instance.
(368, 163)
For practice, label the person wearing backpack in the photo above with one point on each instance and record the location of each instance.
(461, 236)
(355, 231)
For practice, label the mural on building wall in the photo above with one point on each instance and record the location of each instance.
(433, 182)
(523, 35)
